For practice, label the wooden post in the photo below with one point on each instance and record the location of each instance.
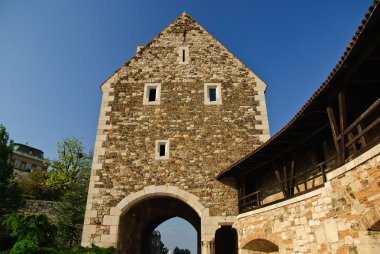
(342, 122)
(291, 185)
(286, 183)
(280, 182)
(363, 140)
(334, 130)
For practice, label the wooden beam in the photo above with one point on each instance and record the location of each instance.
(286, 183)
(363, 139)
(334, 131)
(280, 182)
(363, 56)
(292, 170)
(290, 148)
(342, 122)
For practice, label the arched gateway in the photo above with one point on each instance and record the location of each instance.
(140, 213)
(172, 117)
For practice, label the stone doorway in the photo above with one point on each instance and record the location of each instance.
(138, 222)
(226, 240)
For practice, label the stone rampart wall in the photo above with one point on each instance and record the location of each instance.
(332, 219)
(40, 206)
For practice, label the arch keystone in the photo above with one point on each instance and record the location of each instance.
(151, 189)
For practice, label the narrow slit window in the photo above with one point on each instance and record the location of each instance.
(152, 94)
(183, 55)
(212, 93)
(162, 150)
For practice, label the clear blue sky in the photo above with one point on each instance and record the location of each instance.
(55, 54)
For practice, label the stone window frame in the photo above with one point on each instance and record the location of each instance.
(218, 87)
(157, 149)
(147, 87)
(182, 49)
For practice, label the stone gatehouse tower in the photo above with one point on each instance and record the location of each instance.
(172, 117)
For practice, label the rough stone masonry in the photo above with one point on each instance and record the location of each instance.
(185, 89)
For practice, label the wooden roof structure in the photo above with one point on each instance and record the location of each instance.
(357, 73)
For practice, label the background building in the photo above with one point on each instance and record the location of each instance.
(25, 158)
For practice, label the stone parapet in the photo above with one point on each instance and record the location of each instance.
(337, 218)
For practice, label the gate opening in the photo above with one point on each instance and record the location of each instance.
(138, 223)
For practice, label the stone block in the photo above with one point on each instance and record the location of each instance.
(109, 239)
(111, 220)
(331, 231)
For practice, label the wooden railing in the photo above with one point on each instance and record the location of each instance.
(289, 187)
(357, 137)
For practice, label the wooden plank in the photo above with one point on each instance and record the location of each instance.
(362, 116)
(286, 183)
(280, 182)
(342, 122)
(334, 131)
(290, 148)
(368, 128)
(363, 139)
(291, 185)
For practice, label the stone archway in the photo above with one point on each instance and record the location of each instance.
(140, 213)
(259, 246)
(371, 219)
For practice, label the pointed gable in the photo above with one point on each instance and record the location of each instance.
(184, 30)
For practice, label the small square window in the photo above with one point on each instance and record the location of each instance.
(212, 94)
(152, 94)
(162, 149)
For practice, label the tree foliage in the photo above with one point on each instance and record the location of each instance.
(6, 149)
(35, 228)
(181, 251)
(70, 175)
(71, 215)
(34, 186)
(163, 249)
(10, 192)
(72, 165)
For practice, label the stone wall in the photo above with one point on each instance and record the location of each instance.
(39, 206)
(332, 219)
(204, 139)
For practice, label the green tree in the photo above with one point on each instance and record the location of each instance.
(163, 249)
(72, 166)
(181, 251)
(10, 192)
(34, 186)
(71, 216)
(70, 176)
(6, 149)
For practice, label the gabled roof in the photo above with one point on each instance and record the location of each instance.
(370, 23)
(181, 17)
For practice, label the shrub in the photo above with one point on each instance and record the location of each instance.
(25, 247)
(35, 228)
(89, 250)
